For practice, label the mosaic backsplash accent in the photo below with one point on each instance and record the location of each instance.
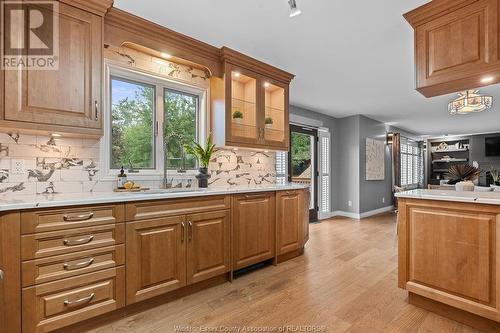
(43, 165)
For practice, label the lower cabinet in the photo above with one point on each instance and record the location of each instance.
(289, 221)
(169, 253)
(54, 305)
(254, 228)
(306, 195)
(208, 245)
(156, 257)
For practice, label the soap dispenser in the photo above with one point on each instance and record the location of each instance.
(122, 178)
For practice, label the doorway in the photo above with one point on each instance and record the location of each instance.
(302, 163)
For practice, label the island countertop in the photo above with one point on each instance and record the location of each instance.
(22, 202)
(492, 198)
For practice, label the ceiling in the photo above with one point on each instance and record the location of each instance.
(349, 56)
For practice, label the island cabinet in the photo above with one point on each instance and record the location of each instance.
(168, 249)
(67, 98)
(254, 228)
(456, 45)
(449, 256)
(289, 221)
(250, 104)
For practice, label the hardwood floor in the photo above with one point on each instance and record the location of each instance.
(345, 282)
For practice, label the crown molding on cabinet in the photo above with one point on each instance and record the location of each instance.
(433, 9)
(240, 59)
(121, 27)
(98, 7)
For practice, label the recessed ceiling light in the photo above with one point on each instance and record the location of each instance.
(166, 55)
(487, 79)
(294, 11)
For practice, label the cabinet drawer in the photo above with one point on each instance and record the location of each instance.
(162, 208)
(58, 304)
(62, 242)
(68, 265)
(62, 219)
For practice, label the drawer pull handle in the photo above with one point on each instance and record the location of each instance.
(77, 218)
(80, 241)
(190, 237)
(79, 301)
(255, 196)
(83, 264)
(183, 231)
(1, 275)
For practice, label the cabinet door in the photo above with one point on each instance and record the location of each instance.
(288, 221)
(156, 257)
(10, 279)
(243, 120)
(208, 245)
(457, 48)
(70, 95)
(254, 229)
(276, 123)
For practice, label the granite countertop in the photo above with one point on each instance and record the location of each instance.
(492, 198)
(21, 202)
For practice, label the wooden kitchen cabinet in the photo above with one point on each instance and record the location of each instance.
(208, 245)
(67, 99)
(288, 221)
(10, 275)
(256, 91)
(156, 257)
(456, 45)
(254, 229)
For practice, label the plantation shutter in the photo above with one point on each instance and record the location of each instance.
(324, 173)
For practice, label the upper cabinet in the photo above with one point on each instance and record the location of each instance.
(250, 104)
(456, 45)
(66, 99)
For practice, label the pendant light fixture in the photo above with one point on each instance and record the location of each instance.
(470, 101)
(294, 10)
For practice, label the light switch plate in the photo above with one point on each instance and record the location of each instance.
(18, 167)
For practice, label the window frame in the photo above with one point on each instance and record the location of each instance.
(418, 156)
(160, 84)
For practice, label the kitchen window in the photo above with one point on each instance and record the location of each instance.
(149, 120)
(412, 164)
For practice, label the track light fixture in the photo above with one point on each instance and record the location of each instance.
(294, 11)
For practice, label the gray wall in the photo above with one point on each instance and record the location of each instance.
(348, 161)
(374, 194)
(477, 153)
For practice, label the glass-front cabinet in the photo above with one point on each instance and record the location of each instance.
(276, 113)
(244, 126)
(249, 104)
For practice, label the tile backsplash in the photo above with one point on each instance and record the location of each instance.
(41, 164)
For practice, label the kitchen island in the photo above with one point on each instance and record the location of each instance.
(448, 252)
(66, 259)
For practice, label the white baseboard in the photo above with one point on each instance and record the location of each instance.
(359, 216)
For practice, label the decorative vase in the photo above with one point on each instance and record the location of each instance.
(269, 126)
(237, 120)
(202, 177)
(464, 186)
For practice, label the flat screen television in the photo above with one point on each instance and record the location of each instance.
(492, 146)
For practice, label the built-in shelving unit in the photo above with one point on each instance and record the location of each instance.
(442, 154)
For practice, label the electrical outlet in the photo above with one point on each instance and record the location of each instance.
(383, 199)
(18, 167)
(349, 203)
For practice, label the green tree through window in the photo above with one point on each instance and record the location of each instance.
(132, 113)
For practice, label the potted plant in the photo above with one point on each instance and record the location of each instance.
(237, 116)
(268, 122)
(495, 175)
(203, 154)
(463, 176)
